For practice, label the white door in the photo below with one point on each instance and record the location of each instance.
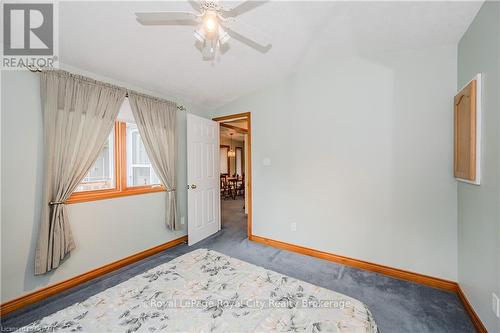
(203, 178)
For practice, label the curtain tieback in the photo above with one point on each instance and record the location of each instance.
(171, 190)
(53, 203)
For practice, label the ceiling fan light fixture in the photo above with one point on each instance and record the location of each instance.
(212, 22)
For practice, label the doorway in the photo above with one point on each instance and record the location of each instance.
(235, 167)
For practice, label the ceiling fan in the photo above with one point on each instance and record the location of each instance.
(214, 25)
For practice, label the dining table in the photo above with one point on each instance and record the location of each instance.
(234, 181)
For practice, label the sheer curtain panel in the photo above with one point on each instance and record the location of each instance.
(156, 121)
(78, 115)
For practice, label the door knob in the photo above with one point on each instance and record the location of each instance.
(193, 186)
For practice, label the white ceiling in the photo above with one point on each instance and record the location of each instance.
(104, 38)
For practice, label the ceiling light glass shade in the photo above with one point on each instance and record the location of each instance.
(231, 153)
(208, 51)
(199, 34)
(223, 36)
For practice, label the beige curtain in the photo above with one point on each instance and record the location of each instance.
(156, 123)
(78, 115)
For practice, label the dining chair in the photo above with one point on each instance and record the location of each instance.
(224, 187)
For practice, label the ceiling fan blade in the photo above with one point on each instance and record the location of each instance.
(167, 18)
(196, 5)
(244, 7)
(248, 35)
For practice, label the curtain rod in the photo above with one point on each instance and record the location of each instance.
(35, 69)
(179, 107)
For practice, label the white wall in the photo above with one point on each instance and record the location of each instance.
(361, 159)
(104, 231)
(478, 206)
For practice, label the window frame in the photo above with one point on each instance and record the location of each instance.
(120, 173)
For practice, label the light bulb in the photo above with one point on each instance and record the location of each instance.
(210, 24)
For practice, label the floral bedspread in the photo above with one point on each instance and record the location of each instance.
(205, 291)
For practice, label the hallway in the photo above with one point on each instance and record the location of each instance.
(233, 217)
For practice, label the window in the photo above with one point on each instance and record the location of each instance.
(101, 174)
(139, 169)
(238, 161)
(122, 168)
(224, 159)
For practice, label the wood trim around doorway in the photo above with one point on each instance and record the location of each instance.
(247, 117)
(235, 128)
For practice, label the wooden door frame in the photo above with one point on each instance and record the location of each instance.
(247, 116)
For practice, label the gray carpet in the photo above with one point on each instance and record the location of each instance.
(398, 306)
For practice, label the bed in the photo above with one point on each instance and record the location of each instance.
(206, 291)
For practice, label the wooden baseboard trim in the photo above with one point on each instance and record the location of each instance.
(478, 324)
(51, 290)
(390, 271)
